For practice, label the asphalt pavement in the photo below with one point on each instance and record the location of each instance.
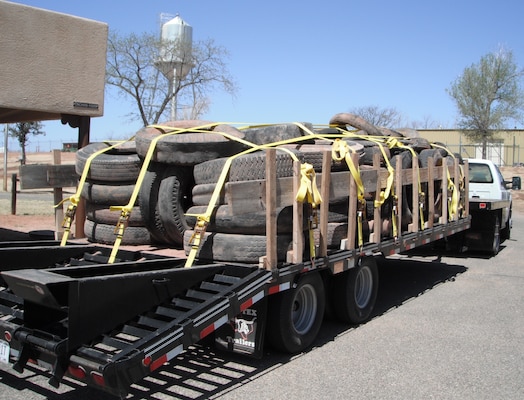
(445, 327)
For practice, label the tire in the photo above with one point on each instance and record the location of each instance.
(368, 153)
(505, 233)
(343, 119)
(355, 291)
(495, 246)
(224, 221)
(103, 215)
(201, 194)
(107, 194)
(425, 154)
(148, 201)
(174, 199)
(295, 315)
(115, 166)
(243, 168)
(103, 233)
(189, 148)
(236, 247)
(276, 133)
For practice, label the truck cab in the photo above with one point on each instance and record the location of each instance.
(490, 203)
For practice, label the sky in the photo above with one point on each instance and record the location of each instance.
(307, 61)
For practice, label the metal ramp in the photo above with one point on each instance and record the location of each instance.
(86, 321)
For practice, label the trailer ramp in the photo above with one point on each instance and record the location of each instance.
(86, 322)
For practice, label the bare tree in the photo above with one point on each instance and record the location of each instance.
(132, 67)
(21, 132)
(386, 117)
(427, 122)
(488, 95)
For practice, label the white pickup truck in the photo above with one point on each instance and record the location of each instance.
(490, 206)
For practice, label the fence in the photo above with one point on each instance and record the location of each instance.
(500, 154)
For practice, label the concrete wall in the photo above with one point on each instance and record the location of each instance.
(50, 64)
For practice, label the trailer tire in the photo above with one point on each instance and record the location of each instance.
(295, 315)
(355, 291)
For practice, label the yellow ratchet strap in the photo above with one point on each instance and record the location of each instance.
(342, 151)
(125, 211)
(74, 200)
(203, 219)
(453, 200)
(308, 192)
(394, 142)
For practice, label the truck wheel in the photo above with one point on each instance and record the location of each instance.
(506, 232)
(295, 316)
(355, 291)
(495, 247)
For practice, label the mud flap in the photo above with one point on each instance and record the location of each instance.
(244, 334)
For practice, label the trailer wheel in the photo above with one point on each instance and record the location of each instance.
(355, 291)
(295, 315)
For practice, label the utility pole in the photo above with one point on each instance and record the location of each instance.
(6, 134)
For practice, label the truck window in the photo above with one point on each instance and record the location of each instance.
(480, 173)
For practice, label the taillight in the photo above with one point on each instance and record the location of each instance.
(147, 361)
(77, 372)
(7, 335)
(98, 378)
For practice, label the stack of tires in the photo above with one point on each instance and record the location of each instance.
(186, 166)
(110, 181)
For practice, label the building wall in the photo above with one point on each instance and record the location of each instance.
(52, 64)
(507, 148)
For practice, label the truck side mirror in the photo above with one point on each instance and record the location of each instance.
(516, 183)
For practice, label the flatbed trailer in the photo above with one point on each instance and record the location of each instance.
(111, 325)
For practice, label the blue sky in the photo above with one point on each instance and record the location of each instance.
(306, 61)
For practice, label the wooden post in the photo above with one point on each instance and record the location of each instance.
(298, 218)
(466, 188)
(415, 196)
(444, 216)
(352, 208)
(376, 236)
(431, 192)
(271, 259)
(57, 198)
(324, 206)
(398, 192)
(13, 194)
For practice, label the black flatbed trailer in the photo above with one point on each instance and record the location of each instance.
(112, 324)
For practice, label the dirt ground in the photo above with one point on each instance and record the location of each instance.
(40, 217)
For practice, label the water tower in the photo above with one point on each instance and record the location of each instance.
(175, 55)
